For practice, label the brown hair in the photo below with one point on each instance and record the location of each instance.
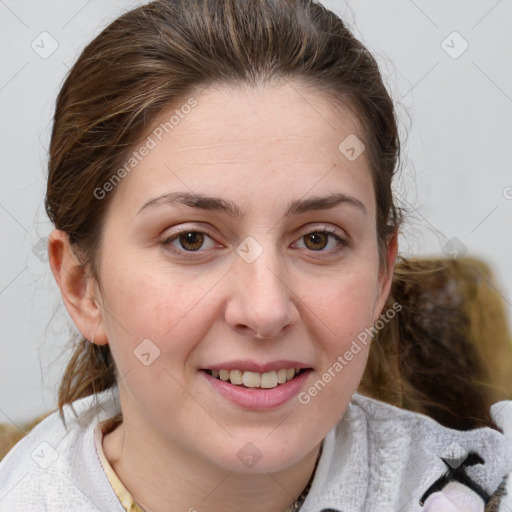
(158, 54)
(448, 351)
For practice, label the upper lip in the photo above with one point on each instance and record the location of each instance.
(251, 366)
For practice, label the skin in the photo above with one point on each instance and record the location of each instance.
(260, 148)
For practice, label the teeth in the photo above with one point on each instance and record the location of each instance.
(267, 380)
(251, 379)
(235, 376)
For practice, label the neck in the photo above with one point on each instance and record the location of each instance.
(157, 477)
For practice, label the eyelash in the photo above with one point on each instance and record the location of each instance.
(166, 243)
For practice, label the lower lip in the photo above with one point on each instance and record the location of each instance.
(259, 398)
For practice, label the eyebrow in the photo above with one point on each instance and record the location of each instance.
(296, 207)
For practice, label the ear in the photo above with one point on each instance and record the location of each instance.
(386, 276)
(79, 289)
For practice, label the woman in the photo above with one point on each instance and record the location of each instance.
(220, 184)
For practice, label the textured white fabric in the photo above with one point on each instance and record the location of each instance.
(378, 458)
(58, 470)
(502, 415)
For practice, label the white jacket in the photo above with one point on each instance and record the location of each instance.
(378, 458)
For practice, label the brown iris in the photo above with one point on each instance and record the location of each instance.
(192, 240)
(316, 239)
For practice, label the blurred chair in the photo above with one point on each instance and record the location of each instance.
(10, 434)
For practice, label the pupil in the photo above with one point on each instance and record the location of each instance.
(192, 240)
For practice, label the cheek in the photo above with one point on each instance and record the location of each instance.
(342, 313)
(344, 305)
(148, 303)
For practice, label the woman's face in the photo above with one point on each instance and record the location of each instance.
(244, 241)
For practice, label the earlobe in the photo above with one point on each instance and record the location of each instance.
(77, 286)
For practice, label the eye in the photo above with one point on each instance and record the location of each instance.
(321, 240)
(188, 241)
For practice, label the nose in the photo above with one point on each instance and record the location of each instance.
(262, 302)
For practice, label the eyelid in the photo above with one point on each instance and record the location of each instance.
(185, 228)
(327, 228)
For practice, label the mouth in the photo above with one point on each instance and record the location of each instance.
(255, 385)
(256, 380)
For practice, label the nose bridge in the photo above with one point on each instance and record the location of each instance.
(262, 302)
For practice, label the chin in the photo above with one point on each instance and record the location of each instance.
(261, 455)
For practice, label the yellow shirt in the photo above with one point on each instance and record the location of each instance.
(122, 493)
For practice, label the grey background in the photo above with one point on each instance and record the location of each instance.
(456, 177)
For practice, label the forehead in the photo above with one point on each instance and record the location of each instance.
(251, 118)
(240, 138)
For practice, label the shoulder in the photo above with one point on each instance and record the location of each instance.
(380, 457)
(56, 463)
(389, 421)
(480, 459)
